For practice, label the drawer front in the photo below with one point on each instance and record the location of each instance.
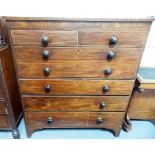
(34, 37)
(55, 54)
(76, 69)
(1, 93)
(75, 103)
(124, 39)
(4, 122)
(142, 105)
(2, 107)
(77, 87)
(38, 120)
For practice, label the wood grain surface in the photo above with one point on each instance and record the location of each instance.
(38, 120)
(125, 38)
(34, 54)
(75, 103)
(142, 105)
(76, 87)
(34, 37)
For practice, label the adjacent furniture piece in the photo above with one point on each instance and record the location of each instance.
(10, 102)
(76, 73)
(142, 104)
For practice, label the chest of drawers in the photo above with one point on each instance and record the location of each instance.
(10, 102)
(76, 73)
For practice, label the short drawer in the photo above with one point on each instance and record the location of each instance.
(2, 107)
(124, 38)
(34, 37)
(76, 87)
(38, 120)
(75, 103)
(4, 121)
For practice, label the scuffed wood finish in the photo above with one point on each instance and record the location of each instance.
(33, 37)
(4, 122)
(58, 54)
(76, 87)
(2, 107)
(75, 103)
(38, 120)
(125, 39)
(142, 105)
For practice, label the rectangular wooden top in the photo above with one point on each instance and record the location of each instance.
(82, 19)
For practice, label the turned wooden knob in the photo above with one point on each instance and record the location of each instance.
(46, 71)
(102, 104)
(45, 54)
(45, 40)
(47, 88)
(113, 40)
(105, 88)
(110, 55)
(49, 120)
(108, 71)
(99, 120)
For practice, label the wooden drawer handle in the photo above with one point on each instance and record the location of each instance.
(45, 54)
(108, 71)
(110, 55)
(46, 71)
(102, 104)
(49, 120)
(113, 40)
(47, 88)
(44, 40)
(99, 120)
(105, 88)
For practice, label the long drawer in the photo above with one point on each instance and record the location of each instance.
(76, 87)
(38, 120)
(2, 107)
(61, 69)
(54, 54)
(75, 103)
(4, 122)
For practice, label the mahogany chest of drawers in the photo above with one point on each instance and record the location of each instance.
(76, 73)
(10, 102)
